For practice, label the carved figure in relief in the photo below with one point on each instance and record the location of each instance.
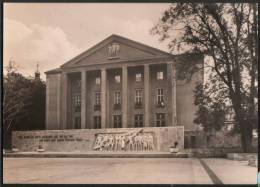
(117, 142)
(113, 50)
(122, 140)
(111, 142)
(130, 140)
(98, 143)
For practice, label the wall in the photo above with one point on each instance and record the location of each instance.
(53, 97)
(185, 97)
(83, 140)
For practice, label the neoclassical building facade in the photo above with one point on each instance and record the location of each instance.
(120, 83)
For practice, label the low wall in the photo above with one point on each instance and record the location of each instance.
(220, 140)
(88, 139)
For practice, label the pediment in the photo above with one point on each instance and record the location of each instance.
(115, 49)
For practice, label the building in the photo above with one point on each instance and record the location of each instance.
(120, 83)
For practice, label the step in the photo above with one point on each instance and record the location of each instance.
(97, 155)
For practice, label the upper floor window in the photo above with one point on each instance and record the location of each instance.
(160, 96)
(138, 95)
(117, 97)
(160, 75)
(98, 80)
(117, 78)
(97, 98)
(78, 83)
(138, 77)
(77, 100)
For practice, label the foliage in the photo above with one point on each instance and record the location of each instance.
(227, 34)
(23, 103)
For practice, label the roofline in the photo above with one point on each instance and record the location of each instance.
(108, 38)
(53, 71)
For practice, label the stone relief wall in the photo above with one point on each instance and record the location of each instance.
(121, 139)
(130, 141)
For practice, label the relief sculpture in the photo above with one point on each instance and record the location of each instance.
(130, 141)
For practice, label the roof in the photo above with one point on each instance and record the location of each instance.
(53, 71)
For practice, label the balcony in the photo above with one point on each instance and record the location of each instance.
(77, 108)
(138, 105)
(160, 104)
(97, 107)
(117, 106)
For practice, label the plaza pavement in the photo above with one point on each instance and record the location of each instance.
(125, 171)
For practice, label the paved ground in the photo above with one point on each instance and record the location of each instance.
(232, 171)
(124, 171)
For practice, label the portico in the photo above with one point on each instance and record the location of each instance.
(126, 91)
(120, 83)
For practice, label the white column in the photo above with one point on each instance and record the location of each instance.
(124, 96)
(146, 95)
(103, 97)
(83, 99)
(65, 100)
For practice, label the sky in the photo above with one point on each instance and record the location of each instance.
(53, 33)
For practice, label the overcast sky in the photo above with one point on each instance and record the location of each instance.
(53, 33)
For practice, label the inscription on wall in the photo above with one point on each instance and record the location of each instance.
(53, 138)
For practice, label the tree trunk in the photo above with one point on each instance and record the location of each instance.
(246, 136)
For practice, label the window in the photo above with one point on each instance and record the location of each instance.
(139, 119)
(98, 80)
(117, 121)
(78, 82)
(138, 95)
(77, 122)
(97, 98)
(160, 75)
(160, 99)
(77, 100)
(97, 122)
(117, 78)
(160, 120)
(138, 77)
(117, 97)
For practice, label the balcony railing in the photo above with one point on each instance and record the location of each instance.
(77, 108)
(160, 104)
(97, 107)
(117, 106)
(138, 105)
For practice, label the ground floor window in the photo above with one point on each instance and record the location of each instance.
(160, 120)
(117, 121)
(139, 120)
(77, 122)
(97, 122)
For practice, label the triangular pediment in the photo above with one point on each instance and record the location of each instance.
(115, 49)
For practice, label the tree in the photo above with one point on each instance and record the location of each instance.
(14, 96)
(23, 103)
(227, 34)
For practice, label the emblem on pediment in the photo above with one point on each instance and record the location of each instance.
(113, 50)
